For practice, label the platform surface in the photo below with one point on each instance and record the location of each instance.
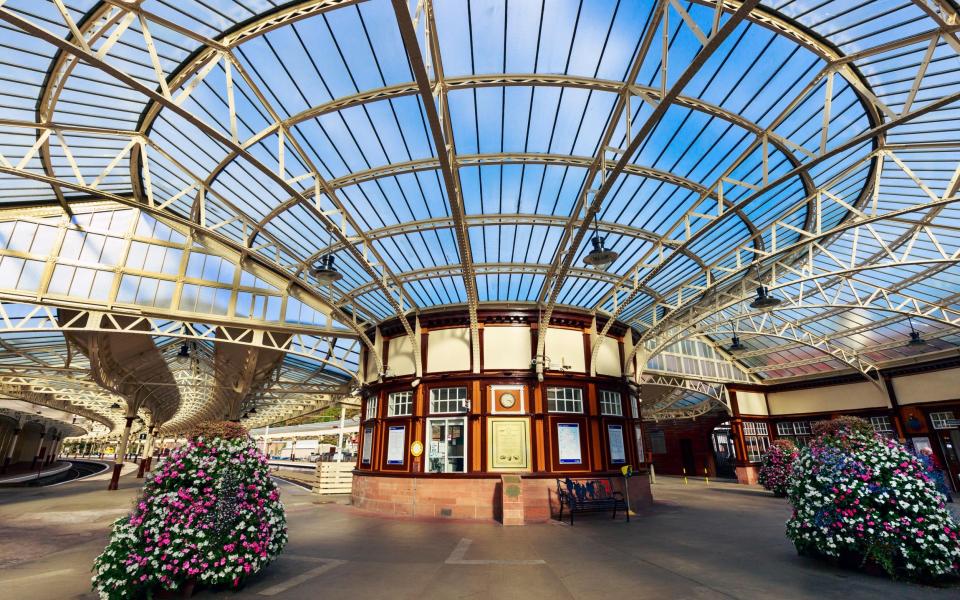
(716, 541)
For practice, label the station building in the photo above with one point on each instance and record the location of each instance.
(520, 242)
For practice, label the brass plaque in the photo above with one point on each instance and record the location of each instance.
(509, 444)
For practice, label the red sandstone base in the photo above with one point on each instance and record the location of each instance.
(747, 475)
(472, 498)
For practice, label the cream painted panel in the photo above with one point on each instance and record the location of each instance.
(371, 366)
(565, 347)
(928, 387)
(448, 350)
(608, 358)
(829, 398)
(751, 403)
(400, 356)
(506, 348)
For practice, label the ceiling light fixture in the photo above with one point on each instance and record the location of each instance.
(325, 272)
(764, 300)
(600, 257)
(915, 338)
(735, 344)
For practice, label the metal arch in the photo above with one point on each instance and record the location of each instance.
(46, 423)
(780, 144)
(408, 227)
(441, 130)
(788, 331)
(42, 319)
(452, 270)
(873, 134)
(788, 271)
(211, 233)
(190, 244)
(95, 61)
(567, 246)
(714, 393)
(729, 272)
(41, 395)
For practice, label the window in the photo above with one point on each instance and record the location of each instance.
(757, 439)
(610, 403)
(883, 426)
(658, 442)
(943, 420)
(447, 450)
(400, 404)
(565, 400)
(795, 431)
(371, 408)
(448, 400)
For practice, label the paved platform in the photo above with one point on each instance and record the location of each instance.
(716, 541)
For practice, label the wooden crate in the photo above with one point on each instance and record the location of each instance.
(334, 478)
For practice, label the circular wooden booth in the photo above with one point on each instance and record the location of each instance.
(439, 439)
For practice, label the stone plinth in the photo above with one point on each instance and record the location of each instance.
(475, 498)
(748, 475)
(511, 487)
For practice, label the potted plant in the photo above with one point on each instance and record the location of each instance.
(209, 515)
(863, 500)
(775, 466)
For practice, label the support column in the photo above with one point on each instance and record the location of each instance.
(36, 455)
(54, 445)
(13, 446)
(146, 454)
(121, 451)
(343, 415)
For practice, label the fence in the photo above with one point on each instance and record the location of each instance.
(334, 478)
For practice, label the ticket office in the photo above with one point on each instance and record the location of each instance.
(560, 427)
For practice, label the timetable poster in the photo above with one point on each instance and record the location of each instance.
(395, 445)
(568, 443)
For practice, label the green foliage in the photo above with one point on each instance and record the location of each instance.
(209, 514)
(863, 500)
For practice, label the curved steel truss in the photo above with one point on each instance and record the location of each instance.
(833, 184)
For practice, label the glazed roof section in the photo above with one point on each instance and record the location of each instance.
(298, 129)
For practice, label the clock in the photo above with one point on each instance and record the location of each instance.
(507, 400)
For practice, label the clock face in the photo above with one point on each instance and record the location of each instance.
(507, 400)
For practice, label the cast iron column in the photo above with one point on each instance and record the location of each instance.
(36, 455)
(121, 451)
(13, 446)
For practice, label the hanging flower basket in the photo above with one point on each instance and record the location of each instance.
(210, 516)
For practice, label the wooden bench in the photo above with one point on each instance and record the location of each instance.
(589, 495)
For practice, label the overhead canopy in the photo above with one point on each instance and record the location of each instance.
(466, 152)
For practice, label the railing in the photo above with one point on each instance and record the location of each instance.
(334, 478)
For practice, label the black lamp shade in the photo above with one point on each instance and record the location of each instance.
(735, 344)
(325, 271)
(600, 257)
(764, 299)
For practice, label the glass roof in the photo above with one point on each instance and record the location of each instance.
(809, 147)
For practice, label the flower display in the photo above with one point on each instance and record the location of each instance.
(209, 515)
(863, 500)
(775, 466)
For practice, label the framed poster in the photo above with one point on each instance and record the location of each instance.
(568, 443)
(921, 443)
(367, 445)
(640, 455)
(509, 448)
(618, 454)
(396, 444)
